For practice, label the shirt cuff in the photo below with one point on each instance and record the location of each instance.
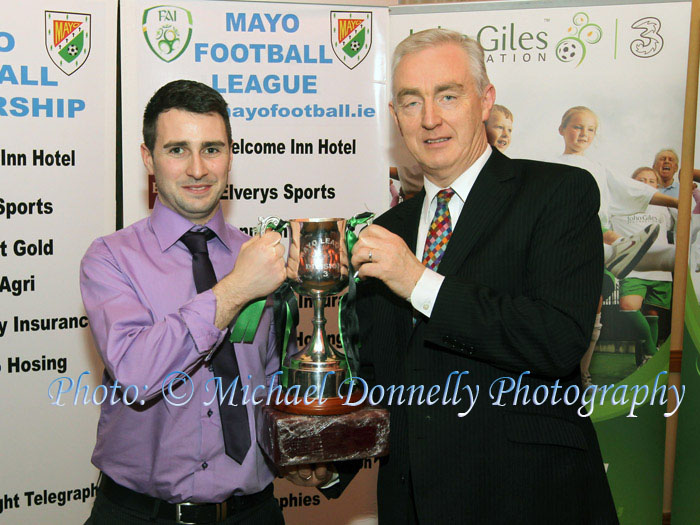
(425, 293)
(198, 315)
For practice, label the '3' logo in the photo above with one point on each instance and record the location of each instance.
(649, 42)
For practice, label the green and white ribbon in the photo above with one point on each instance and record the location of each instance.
(348, 324)
(246, 325)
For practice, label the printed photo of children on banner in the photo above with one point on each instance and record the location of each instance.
(637, 223)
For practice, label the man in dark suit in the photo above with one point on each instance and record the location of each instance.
(513, 295)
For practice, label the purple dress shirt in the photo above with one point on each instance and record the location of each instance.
(148, 321)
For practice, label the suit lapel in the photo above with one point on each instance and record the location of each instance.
(489, 197)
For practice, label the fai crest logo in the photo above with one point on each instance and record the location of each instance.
(168, 30)
(67, 39)
(351, 36)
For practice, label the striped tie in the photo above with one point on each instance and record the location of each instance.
(439, 232)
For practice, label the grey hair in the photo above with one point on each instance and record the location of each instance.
(656, 157)
(434, 37)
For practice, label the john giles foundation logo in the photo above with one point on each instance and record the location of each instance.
(580, 33)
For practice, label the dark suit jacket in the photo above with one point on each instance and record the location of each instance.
(523, 272)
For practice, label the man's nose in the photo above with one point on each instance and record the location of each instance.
(432, 116)
(196, 167)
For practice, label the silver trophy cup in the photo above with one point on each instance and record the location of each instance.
(317, 266)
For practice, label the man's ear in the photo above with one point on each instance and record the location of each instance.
(230, 160)
(147, 158)
(396, 118)
(488, 99)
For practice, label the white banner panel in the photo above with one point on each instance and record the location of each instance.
(306, 87)
(57, 172)
(307, 113)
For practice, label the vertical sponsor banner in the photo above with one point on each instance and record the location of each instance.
(57, 158)
(306, 88)
(627, 63)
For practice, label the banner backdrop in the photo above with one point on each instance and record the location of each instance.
(307, 100)
(306, 87)
(57, 173)
(626, 62)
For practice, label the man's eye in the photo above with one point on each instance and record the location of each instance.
(411, 107)
(447, 101)
(176, 150)
(212, 151)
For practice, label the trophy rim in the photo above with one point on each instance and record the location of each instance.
(318, 219)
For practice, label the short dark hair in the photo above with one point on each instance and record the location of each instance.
(186, 95)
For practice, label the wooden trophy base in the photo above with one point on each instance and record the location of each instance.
(297, 439)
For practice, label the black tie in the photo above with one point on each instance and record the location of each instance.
(234, 417)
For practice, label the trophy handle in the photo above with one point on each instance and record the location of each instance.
(279, 225)
(353, 227)
(271, 222)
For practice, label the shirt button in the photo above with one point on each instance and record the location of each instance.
(205, 465)
(209, 412)
(426, 306)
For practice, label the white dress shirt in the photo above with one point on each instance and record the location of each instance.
(425, 292)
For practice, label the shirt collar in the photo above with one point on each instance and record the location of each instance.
(462, 185)
(168, 226)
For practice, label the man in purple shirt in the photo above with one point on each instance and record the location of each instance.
(162, 456)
